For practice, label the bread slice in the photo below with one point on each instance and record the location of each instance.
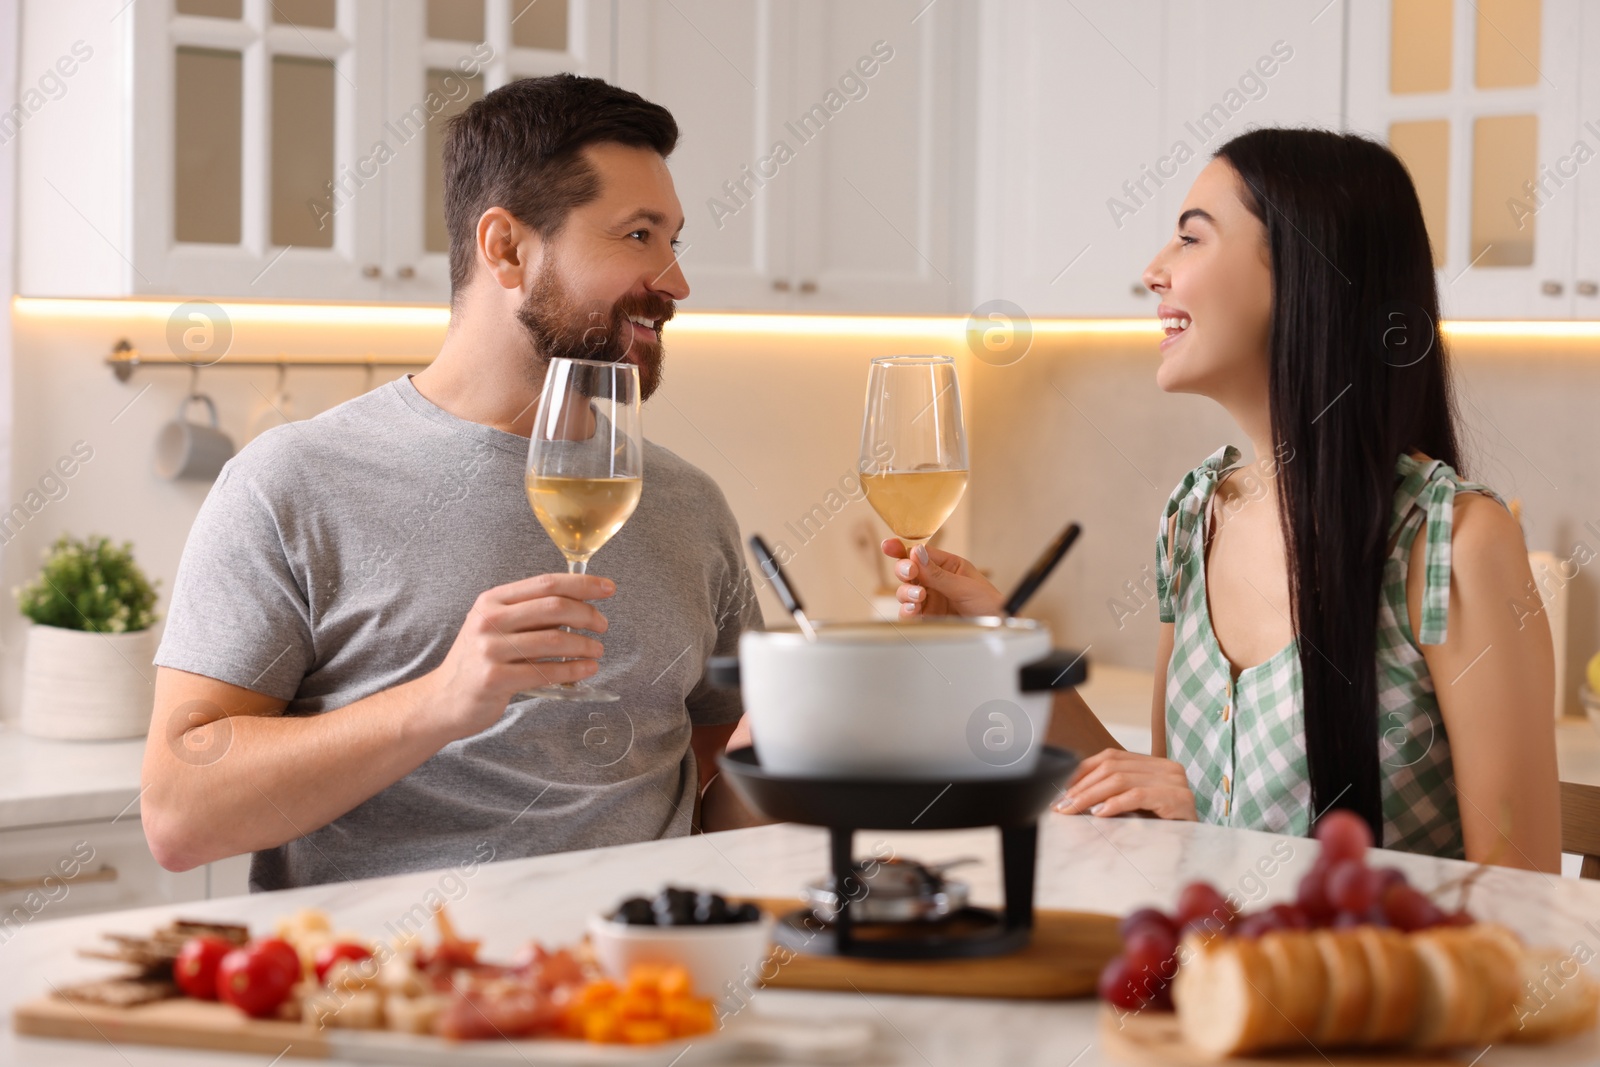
(1344, 1011)
(1396, 984)
(1450, 1009)
(1299, 986)
(1224, 996)
(1496, 955)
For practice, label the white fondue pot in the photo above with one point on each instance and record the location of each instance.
(933, 698)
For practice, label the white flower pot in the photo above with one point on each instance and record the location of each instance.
(80, 686)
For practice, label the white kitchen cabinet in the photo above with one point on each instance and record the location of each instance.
(1586, 285)
(1480, 97)
(822, 161)
(1070, 118)
(49, 872)
(261, 148)
(1096, 118)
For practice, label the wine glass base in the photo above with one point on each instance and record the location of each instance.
(574, 693)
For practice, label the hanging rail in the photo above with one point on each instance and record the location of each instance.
(125, 359)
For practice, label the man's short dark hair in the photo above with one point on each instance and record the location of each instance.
(520, 148)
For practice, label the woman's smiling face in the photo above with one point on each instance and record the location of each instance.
(1214, 279)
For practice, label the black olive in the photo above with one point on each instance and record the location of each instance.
(711, 908)
(746, 913)
(635, 911)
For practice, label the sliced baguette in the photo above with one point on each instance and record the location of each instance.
(1223, 993)
(1344, 1011)
(1496, 954)
(1396, 984)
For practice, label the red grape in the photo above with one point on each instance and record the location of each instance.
(1409, 909)
(1352, 887)
(1117, 985)
(1262, 922)
(1149, 952)
(1344, 836)
(1312, 895)
(1457, 918)
(1161, 999)
(1152, 917)
(1291, 916)
(1199, 902)
(1346, 919)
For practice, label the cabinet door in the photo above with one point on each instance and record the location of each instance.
(51, 872)
(1479, 97)
(723, 68)
(443, 55)
(873, 117)
(250, 162)
(1069, 122)
(1586, 289)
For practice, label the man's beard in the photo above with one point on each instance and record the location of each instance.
(562, 328)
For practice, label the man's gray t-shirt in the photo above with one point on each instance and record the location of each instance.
(338, 557)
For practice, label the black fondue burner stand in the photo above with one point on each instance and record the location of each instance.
(1012, 805)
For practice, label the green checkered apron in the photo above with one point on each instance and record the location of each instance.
(1242, 740)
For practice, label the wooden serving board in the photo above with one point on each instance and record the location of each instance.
(1152, 1039)
(1063, 960)
(193, 1024)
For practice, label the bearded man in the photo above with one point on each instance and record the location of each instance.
(363, 593)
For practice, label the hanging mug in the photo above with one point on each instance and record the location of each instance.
(192, 451)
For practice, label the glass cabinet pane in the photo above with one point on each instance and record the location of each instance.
(319, 13)
(539, 24)
(302, 151)
(1508, 43)
(455, 20)
(216, 9)
(1424, 147)
(447, 84)
(1419, 50)
(1504, 152)
(207, 138)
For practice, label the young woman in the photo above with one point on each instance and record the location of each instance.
(1344, 621)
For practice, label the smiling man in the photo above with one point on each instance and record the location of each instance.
(354, 608)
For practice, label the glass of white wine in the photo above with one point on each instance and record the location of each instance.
(913, 444)
(585, 469)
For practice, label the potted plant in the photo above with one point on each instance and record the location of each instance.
(87, 674)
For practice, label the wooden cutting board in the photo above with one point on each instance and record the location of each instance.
(1063, 960)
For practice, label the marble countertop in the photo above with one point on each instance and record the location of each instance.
(1111, 865)
(45, 782)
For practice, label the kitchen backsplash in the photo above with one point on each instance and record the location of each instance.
(1075, 430)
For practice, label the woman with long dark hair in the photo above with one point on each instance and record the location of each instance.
(1339, 617)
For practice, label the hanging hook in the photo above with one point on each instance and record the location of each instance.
(370, 368)
(283, 374)
(194, 380)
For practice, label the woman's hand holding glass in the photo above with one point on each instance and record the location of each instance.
(934, 582)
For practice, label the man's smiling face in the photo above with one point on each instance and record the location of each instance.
(609, 280)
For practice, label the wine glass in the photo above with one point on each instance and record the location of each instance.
(913, 445)
(585, 469)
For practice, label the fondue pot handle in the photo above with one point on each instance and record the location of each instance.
(1061, 669)
(723, 671)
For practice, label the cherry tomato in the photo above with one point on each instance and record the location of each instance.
(195, 969)
(332, 953)
(282, 954)
(254, 979)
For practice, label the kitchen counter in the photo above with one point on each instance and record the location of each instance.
(44, 782)
(1108, 866)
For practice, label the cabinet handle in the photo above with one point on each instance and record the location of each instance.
(1552, 288)
(407, 272)
(1588, 289)
(372, 270)
(808, 286)
(780, 285)
(1139, 289)
(104, 874)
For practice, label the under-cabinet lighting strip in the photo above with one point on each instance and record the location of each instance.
(948, 328)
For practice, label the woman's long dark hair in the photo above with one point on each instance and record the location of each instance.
(1358, 376)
